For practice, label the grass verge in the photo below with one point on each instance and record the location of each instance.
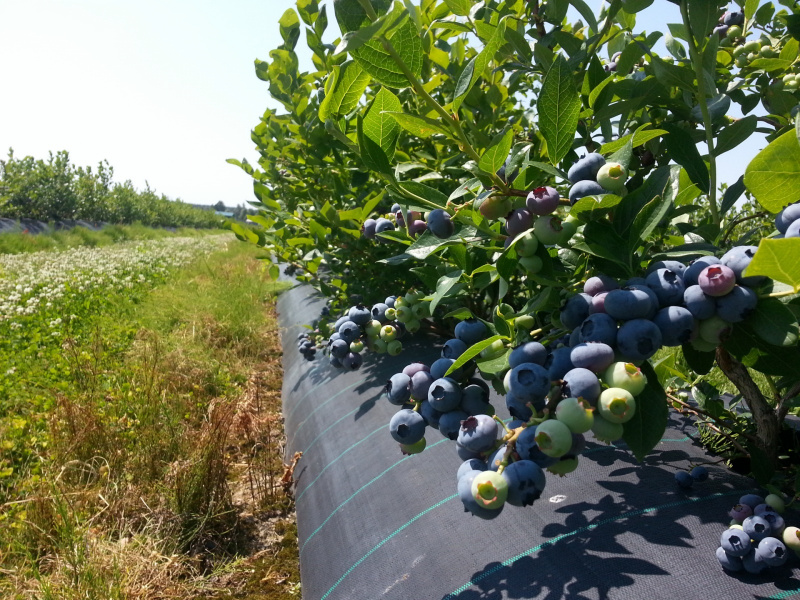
(158, 472)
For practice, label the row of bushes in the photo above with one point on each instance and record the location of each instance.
(55, 189)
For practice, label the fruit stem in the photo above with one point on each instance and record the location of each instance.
(417, 406)
(503, 425)
(697, 63)
(778, 294)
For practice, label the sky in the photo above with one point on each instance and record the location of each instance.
(163, 90)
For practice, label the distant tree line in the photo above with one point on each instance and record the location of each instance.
(239, 212)
(56, 190)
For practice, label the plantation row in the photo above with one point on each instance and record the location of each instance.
(56, 190)
(543, 194)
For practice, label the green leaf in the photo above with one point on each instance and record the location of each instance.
(494, 366)
(309, 11)
(597, 90)
(773, 176)
(770, 64)
(594, 207)
(755, 353)
(348, 84)
(472, 352)
(353, 40)
(419, 192)
(778, 260)
(639, 137)
(700, 362)
(774, 323)
(732, 194)
(645, 430)
(750, 8)
(444, 285)
(380, 127)
(586, 13)
(703, 16)
(351, 16)
(495, 156)
(371, 153)
(559, 106)
(474, 69)
(377, 61)
(422, 127)
(547, 168)
(682, 149)
(673, 75)
(648, 219)
(735, 134)
(290, 28)
(274, 272)
(459, 7)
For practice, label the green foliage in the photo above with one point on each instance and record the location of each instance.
(54, 190)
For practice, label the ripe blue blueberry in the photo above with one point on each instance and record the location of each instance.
(360, 315)
(629, 303)
(398, 389)
(440, 224)
(667, 286)
(517, 221)
(472, 464)
(698, 303)
(349, 332)
(407, 426)
(559, 363)
(684, 480)
(470, 504)
(529, 382)
(586, 168)
(699, 473)
(772, 552)
(440, 367)
(595, 356)
(478, 433)
(738, 259)
(751, 500)
(381, 226)
(599, 327)
(582, 383)
(757, 528)
(368, 229)
(471, 331)
(430, 414)
(787, 216)
(585, 188)
(737, 305)
(450, 423)
(444, 394)
(420, 384)
(638, 339)
(598, 284)
(526, 481)
(352, 361)
(728, 562)
(453, 348)
(530, 352)
(575, 310)
(676, 325)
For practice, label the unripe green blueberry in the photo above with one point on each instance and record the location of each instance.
(404, 314)
(548, 229)
(739, 51)
(356, 346)
(414, 448)
(606, 431)
(378, 345)
(752, 46)
(531, 264)
(734, 32)
(568, 229)
(493, 350)
(525, 322)
(400, 301)
(413, 326)
(565, 466)
(575, 413)
(388, 333)
(495, 207)
(612, 176)
(714, 330)
(527, 244)
(373, 327)
(490, 489)
(616, 405)
(776, 502)
(553, 438)
(626, 376)
(791, 537)
(394, 347)
(792, 85)
(391, 314)
(741, 61)
(751, 56)
(421, 309)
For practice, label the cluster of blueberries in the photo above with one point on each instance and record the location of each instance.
(592, 176)
(411, 219)
(686, 479)
(787, 222)
(306, 346)
(758, 537)
(378, 329)
(675, 304)
(551, 410)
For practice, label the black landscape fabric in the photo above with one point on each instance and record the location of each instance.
(376, 524)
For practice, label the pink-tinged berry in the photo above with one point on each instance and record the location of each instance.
(716, 280)
(740, 512)
(542, 201)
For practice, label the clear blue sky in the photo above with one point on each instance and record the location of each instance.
(164, 90)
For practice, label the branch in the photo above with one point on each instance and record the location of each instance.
(783, 405)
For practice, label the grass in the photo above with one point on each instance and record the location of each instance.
(156, 471)
(18, 243)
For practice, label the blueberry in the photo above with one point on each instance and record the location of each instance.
(415, 367)
(560, 363)
(417, 227)
(586, 168)
(629, 303)
(598, 284)
(667, 286)
(528, 449)
(517, 408)
(368, 229)
(575, 310)
(599, 327)
(450, 423)
(730, 18)
(740, 512)
(716, 280)
(693, 270)
(654, 303)
(349, 331)
(340, 321)
(496, 457)
(430, 414)
(793, 230)
(582, 383)
(595, 356)
(381, 226)
(465, 454)
(757, 528)
(751, 500)
(753, 563)
(473, 464)
(676, 325)
(526, 481)
(474, 401)
(701, 306)
(470, 504)
(672, 265)
(478, 433)
(728, 562)
(453, 348)
(787, 216)
(379, 312)
(585, 188)
(542, 201)
(420, 384)
(738, 259)
(638, 339)
(517, 221)
(360, 315)
(529, 382)
(530, 352)
(737, 305)
(684, 480)
(471, 331)
(699, 473)
(407, 426)
(440, 367)
(444, 394)
(352, 361)
(772, 552)
(398, 389)
(440, 224)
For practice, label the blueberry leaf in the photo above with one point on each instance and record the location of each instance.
(775, 323)
(778, 260)
(773, 176)
(559, 106)
(347, 85)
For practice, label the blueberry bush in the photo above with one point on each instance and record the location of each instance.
(543, 185)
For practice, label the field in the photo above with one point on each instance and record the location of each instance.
(140, 427)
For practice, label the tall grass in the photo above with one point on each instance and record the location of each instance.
(165, 433)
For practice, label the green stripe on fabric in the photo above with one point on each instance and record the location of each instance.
(336, 395)
(786, 594)
(384, 540)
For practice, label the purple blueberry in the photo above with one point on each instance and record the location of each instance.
(740, 512)
(517, 221)
(598, 284)
(478, 433)
(716, 280)
(542, 201)
(595, 356)
(599, 327)
(586, 168)
(420, 384)
(693, 270)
